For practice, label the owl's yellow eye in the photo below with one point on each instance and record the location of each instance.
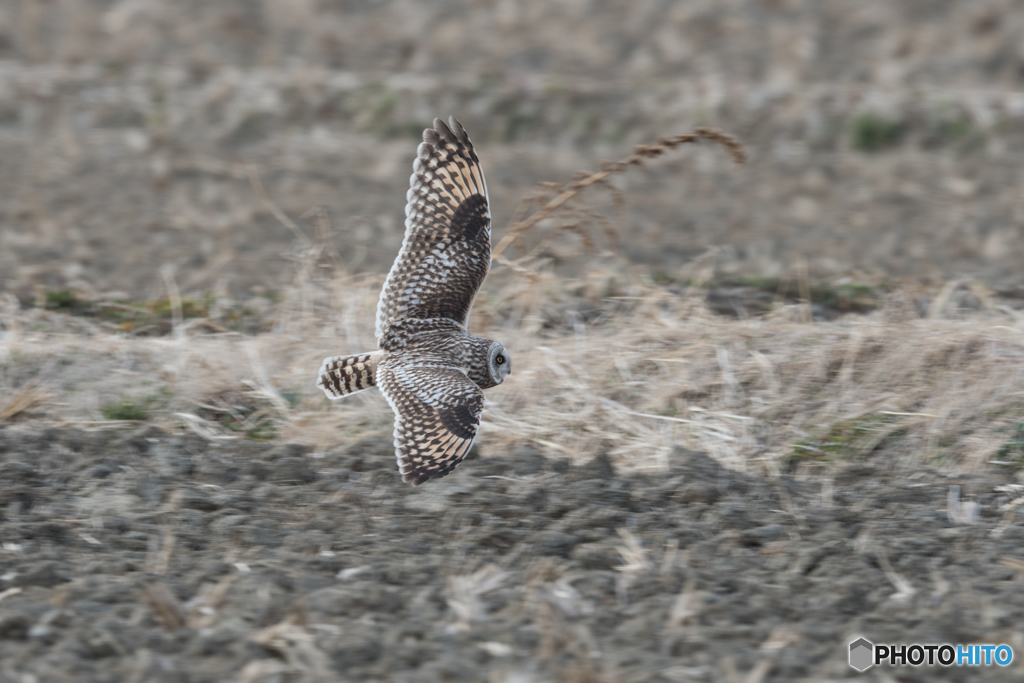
(499, 359)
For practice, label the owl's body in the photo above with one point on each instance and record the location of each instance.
(430, 370)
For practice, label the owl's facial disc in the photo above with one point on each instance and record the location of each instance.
(499, 363)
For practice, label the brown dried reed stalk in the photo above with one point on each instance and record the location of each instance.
(559, 204)
(29, 396)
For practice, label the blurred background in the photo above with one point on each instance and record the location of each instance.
(886, 139)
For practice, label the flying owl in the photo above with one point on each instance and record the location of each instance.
(430, 370)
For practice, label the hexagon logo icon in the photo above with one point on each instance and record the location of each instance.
(862, 654)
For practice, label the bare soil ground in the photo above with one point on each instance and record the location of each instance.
(139, 556)
(756, 411)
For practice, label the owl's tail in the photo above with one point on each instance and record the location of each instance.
(344, 375)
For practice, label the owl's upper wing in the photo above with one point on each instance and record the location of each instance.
(437, 417)
(447, 248)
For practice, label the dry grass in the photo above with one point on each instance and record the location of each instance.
(662, 371)
(561, 210)
(653, 370)
(26, 398)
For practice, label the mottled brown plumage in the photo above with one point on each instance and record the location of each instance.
(430, 370)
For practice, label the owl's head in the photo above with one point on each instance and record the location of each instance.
(499, 363)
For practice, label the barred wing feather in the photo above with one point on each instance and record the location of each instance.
(446, 252)
(437, 417)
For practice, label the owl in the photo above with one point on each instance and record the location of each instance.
(430, 369)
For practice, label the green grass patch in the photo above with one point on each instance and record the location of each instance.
(872, 133)
(252, 418)
(126, 409)
(844, 440)
(137, 408)
(154, 318)
(845, 296)
(65, 300)
(1013, 450)
(292, 396)
(848, 297)
(660, 277)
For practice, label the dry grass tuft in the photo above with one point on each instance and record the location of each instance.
(292, 641)
(559, 617)
(570, 217)
(635, 563)
(167, 609)
(26, 398)
(465, 593)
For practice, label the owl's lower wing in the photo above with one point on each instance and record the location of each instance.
(446, 252)
(437, 417)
